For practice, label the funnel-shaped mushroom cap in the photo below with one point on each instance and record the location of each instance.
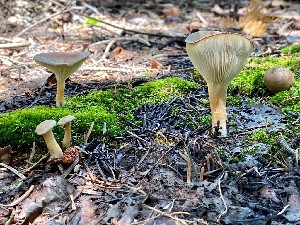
(45, 126)
(65, 120)
(218, 56)
(62, 64)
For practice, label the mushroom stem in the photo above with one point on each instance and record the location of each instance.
(217, 98)
(52, 145)
(67, 137)
(60, 100)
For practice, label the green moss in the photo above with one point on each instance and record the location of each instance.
(261, 135)
(250, 80)
(291, 49)
(234, 101)
(18, 128)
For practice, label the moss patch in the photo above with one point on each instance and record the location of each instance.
(250, 80)
(18, 128)
(291, 49)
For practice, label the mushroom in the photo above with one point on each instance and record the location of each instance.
(62, 64)
(66, 121)
(219, 57)
(278, 79)
(45, 129)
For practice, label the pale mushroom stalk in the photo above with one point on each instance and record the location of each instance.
(60, 94)
(52, 145)
(217, 100)
(66, 122)
(67, 137)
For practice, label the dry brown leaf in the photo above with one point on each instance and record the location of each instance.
(171, 10)
(230, 23)
(155, 64)
(254, 22)
(120, 54)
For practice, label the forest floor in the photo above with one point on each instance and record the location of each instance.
(141, 176)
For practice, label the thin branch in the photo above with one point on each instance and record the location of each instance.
(43, 20)
(14, 45)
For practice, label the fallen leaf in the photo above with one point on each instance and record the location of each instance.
(155, 64)
(120, 54)
(171, 10)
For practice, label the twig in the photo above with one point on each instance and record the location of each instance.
(43, 20)
(36, 164)
(189, 166)
(14, 45)
(32, 153)
(202, 171)
(138, 39)
(128, 30)
(38, 96)
(114, 40)
(21, 198)
(9, 221)
(169, 215)
(283, 143)
(283, 210)
(14, 171)
(134, 135)
(87, 136)
(223, 200)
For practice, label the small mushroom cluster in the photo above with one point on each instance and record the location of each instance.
(45, 129)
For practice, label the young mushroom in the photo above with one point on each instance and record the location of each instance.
(219, 57)
(66, 121)
(45, 129)
(62, 64)
(279, 79)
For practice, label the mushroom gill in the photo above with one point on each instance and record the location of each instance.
(219, 57)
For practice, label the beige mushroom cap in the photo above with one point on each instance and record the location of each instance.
(65, 120)
(45, 126)
(278, 79)
(62, 64)
(219, 57)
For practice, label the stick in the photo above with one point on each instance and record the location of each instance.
(223, 200)
(14, 171)
(22, 197)
(131, 31)
(42, 21)
(89, 133)
(189, 166)
(14, 45)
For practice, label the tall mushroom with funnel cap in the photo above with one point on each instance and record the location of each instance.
(219, 57)
(62, 64)
(66, 121)
(45, 129)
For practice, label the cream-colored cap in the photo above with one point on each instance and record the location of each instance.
(219, 57)
(45, 126)
(65, 120)
(62, 64)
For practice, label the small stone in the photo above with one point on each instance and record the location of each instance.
(278, 79)
(12, 20)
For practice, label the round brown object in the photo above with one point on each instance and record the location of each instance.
(69, 155)
(278, 79)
